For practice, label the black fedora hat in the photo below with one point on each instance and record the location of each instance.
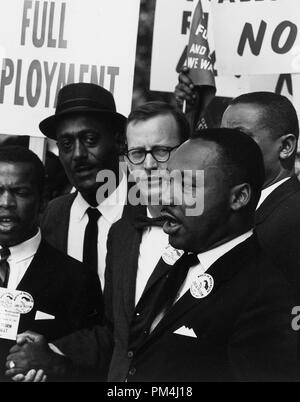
(82, 97)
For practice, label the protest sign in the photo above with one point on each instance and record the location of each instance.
(257, 36)
(47, 44)
(170, 38)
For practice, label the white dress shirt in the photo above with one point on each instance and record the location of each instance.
(154, 240)
(206, 259)
(267, 191)
(111, 210)
(20, 258)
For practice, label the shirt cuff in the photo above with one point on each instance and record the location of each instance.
(55, 349)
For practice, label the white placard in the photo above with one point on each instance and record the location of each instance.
(9, 324)
(257, 36)
(170, 36)
(46, 44)
(12, 304)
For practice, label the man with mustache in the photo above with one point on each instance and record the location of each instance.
(271, 120)
(87, 129)
(136, 242)
(238, 328)
(55, 294)
(223, 310)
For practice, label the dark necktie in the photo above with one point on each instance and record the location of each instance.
(159, 299)
(90, 245)
(176, 277)
(4, 266)
(142, 222)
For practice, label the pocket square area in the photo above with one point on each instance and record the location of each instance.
(185, 331)
(39, 315)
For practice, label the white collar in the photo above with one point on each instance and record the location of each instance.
(267, 191)
(207, 258)
(26, 249)
(110, 207)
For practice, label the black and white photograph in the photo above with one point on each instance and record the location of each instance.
(149, 194)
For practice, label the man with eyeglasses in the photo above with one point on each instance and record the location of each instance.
(134, 249)
(154, 131)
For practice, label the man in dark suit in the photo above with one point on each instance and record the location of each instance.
(63, 294)
(87, 129)
(271, 120)
(154, 131)
(223, 311)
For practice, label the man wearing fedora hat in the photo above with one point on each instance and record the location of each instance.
(85, 126)
(134, 248)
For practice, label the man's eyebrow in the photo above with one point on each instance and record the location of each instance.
(83, 131)
(90, 130)
(136, 148)
(15, 186)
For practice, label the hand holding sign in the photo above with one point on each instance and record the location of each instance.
(198, 87)
(185, 90)
(198, 55)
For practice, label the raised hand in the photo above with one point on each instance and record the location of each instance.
(185, 90)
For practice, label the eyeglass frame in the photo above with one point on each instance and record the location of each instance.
(150, 151)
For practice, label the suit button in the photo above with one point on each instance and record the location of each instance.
(130, 354)
(132, 371)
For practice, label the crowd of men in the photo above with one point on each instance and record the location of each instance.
(187, 266)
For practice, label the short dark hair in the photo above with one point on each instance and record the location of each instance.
(157, 108)
(240, 156)
(19, 154)
(277, 111)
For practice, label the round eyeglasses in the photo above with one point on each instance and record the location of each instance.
(138, 155)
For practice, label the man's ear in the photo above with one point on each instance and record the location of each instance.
(240, 196)
(288, 144)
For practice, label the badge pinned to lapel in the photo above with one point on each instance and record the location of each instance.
(23, 302)
(170, 254)
(13, 303)
(202, 286)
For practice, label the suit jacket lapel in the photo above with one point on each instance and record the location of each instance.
(63, 224)
(130, 269)
(285, 190)
(55, 226)
(222, 270)
(160, 270)
(129, 261)
(39, 272)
